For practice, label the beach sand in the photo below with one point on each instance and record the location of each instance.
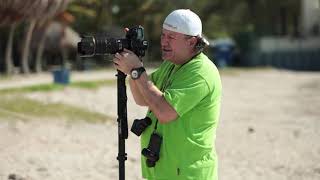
(269, 129)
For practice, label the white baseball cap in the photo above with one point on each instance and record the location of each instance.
(183, 21)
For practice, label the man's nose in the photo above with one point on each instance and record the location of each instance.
(164, 41)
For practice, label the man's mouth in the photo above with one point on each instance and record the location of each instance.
(166, 50)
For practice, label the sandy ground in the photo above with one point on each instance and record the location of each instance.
(269, 129)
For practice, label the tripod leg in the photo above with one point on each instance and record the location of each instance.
(122, 123)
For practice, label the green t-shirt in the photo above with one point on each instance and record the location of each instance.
(188, 145)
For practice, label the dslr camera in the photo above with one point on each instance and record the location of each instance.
(101, 45)
(139, 125)
(152, 152)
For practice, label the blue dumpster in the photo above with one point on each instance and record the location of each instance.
(223, 52)
(61, 76)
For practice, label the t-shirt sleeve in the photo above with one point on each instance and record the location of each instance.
(186, 92)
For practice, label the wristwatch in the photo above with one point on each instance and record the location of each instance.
(136, 72)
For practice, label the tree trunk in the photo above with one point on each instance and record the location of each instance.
(283, 21)
(40, 50)
(26, 48)
(64, 53)
(8, 59)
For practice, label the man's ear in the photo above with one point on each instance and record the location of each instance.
(192, 41)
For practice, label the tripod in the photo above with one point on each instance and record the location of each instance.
(102, 45)
(122, 123)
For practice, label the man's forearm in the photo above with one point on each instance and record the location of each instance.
(155, 100)
(137, 96)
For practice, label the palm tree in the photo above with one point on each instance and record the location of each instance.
(8, 16)
(14, 11)
(54, 8)
(46, 11)
(8, 53)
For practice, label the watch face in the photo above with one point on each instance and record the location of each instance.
(134, 74)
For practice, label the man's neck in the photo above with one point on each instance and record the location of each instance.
(188, 58)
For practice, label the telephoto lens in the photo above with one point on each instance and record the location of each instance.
(101, 45)
(87, 46)
(153, 151)
(139, 125)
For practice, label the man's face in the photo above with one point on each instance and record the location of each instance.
(174, 46)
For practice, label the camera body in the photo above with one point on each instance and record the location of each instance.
(101, 45)
(152, 152)
(139, 125)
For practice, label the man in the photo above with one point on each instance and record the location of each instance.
(183, 95)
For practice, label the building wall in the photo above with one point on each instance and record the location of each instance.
(276, 44)
(310, 17)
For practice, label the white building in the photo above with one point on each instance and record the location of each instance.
(309, 29)
(310, 17)
(300, 52)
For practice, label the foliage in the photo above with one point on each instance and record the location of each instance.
(220, 17)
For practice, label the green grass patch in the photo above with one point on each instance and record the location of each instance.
(55, 87)
(4, 114)
(3, 77)
(11, 106)
(93, 84)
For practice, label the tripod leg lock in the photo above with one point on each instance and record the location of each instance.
(122, 157)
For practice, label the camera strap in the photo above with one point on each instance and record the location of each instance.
(172, 71)
(166, 83)
(164, 86)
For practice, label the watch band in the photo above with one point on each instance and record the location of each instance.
(136, 72)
